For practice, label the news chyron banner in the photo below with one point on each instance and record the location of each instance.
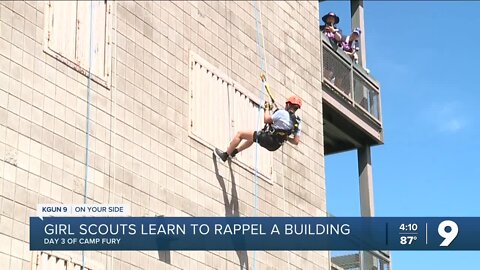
(108, 227)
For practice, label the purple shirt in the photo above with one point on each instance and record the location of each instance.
(348, 46)
(330, 35)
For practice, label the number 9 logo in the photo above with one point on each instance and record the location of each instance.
(448, 236)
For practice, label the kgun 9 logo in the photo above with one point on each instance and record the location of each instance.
(450, 235)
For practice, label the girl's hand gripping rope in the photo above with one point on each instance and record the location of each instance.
(267, 88)
(268, 106)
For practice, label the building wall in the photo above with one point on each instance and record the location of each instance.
(140, 151)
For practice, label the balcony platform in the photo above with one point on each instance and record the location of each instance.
(351, 102)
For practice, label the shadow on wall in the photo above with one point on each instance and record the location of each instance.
(232, 208)
(164, 255)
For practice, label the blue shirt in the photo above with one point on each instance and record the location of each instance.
(281, 120)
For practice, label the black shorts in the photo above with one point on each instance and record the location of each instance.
(269, 142)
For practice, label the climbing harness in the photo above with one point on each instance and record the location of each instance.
(279, 135)
(282, 134)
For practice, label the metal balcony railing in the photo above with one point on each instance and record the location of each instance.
(352, 260)
(350, 80)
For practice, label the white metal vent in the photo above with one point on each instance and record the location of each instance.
(45, 260)
(219, 107)
(68, 32)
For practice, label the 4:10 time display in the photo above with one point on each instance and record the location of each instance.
(412, 227)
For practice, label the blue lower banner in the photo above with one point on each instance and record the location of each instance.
(254, 233)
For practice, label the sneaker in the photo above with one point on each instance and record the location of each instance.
(222, 155)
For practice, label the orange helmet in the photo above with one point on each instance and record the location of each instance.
(295, 100)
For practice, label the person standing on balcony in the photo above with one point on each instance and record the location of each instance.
(278, 128)
(350, 44)
(330, 27)
(330, 30)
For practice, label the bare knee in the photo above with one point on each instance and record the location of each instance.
(245, 135)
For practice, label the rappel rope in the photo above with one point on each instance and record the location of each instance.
(265, 89)
(263, 64)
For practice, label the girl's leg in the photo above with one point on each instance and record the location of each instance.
(241, 135)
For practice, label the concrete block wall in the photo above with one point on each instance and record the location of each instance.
(140, 151)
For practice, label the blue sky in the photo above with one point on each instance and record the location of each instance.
(425, 55)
